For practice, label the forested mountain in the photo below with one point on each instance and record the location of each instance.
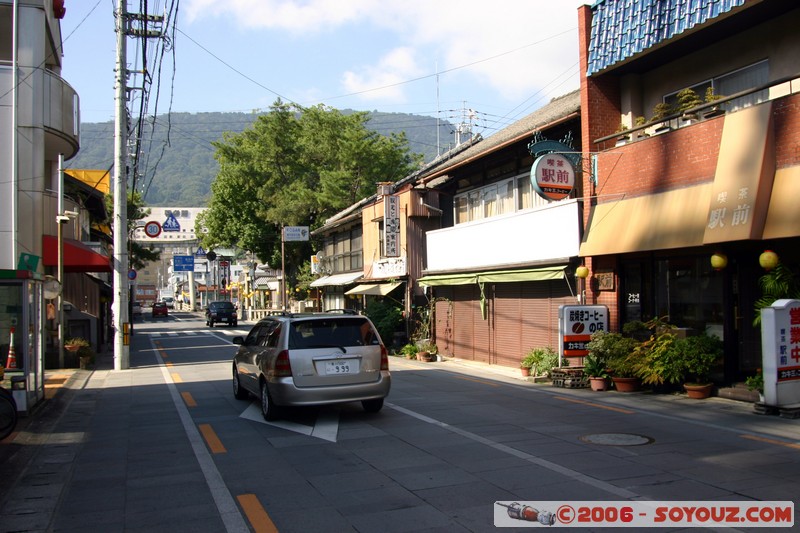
(179, 158)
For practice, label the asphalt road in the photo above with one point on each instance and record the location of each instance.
(164, 446)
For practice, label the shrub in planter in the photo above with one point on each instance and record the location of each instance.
(540, 360)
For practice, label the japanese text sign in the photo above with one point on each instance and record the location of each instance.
(576, 325)
(780, 352)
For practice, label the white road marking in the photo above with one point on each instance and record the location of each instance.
(326, 426)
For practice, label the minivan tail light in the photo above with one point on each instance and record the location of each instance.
(283, 367)
(384, 358)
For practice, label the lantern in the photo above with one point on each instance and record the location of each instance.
(768, 260)
(582, 272)
(719, 261)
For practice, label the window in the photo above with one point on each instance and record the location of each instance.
(499, 198)
(732, 83)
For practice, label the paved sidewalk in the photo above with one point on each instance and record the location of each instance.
(139, 442)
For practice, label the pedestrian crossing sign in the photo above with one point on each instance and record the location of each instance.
(171, 224)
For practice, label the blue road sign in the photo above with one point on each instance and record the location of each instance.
(183, 263)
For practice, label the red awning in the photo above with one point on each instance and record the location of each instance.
(77, 256)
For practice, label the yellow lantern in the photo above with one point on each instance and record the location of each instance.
(719, 261)
(582, 272)
(768, 260)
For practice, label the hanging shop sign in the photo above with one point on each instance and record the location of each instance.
(391, 226)
(576, 323)
(553, 176)
(555, 166)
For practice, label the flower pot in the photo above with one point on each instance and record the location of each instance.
(525, 371)
(72, 347)
(425, 357)
(85, 363)
(626, 384)
(599, 384)
(698, 391)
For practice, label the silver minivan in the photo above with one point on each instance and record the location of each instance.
(311, 359)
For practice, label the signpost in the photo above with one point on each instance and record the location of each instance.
(780, 352)
(576, 323)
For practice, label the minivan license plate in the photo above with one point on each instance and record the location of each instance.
(341, 367)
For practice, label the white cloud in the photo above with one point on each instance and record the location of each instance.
(535, 41)
(392, 69)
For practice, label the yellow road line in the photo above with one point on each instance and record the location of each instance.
(213, 442)
(176, 378)
(600, 406)
(256, 514)
(490, 383)
(772, 441)
(187, 397)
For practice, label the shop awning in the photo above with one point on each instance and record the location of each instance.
(77, 256)
(337, 279)
(783, 217)
(672, 219)
(373, 289)
(500, 276)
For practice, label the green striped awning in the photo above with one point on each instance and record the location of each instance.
(499, 276)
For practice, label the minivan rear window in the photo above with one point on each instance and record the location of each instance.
(327, 332)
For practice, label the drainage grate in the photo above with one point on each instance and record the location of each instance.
(616, 439)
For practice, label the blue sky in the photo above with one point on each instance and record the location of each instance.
(500, 59)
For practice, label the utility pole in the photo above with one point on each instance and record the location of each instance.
(120, 304)
(121, 307)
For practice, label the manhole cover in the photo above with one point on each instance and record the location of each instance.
(616, 439)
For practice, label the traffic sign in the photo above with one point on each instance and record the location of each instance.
(152, 229)
(131, 274)
(200, 252)
(171, 224)
(183, 263)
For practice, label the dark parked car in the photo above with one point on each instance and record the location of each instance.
(312, 359)
(160, 309)
(221, 312)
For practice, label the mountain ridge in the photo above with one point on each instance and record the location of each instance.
(179, 157)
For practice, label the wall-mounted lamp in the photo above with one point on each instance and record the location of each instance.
(768, 260)
(719, 261)
(582, 272)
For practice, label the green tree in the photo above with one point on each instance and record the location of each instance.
(295, 166)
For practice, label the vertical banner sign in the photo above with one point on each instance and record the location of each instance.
(576, 323)
(391, 226)
(780, 352)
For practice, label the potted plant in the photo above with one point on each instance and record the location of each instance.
(596, 369)
(624, 136)
(540, 360)
(756, 383)
(426, 351)
(654, 360)
(526, 364)
(616, 349)
(698, 354)
(688, 100)
(409, 351)
(660, 111)
(641, 121)
(74, 344)
(716, 110)
(83, 349)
